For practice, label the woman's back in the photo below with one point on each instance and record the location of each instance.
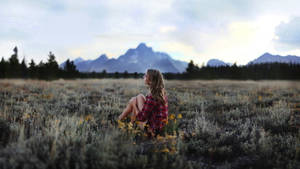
(155, 113)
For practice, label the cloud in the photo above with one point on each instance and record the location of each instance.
(288, 35)
(244, 41)
(186, 29)
(212, 19)
(167, 29)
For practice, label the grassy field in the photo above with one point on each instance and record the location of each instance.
(212, 124)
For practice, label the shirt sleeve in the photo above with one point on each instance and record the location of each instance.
(146, 110)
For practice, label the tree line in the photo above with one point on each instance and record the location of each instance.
(268, 71)
(50, 70)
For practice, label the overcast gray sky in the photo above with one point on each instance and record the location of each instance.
(230, 30)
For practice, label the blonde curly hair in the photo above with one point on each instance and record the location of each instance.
(157, 86)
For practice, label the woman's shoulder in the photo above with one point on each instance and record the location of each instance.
(149, 95)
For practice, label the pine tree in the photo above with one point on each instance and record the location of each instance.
(13, 60)
(14, 65)
(3, 68)
(70, 69)
(51, 67)
(191, 69)
(70, 66)
(41, 71)
(52, 64)
(23, 68)
(32, 69)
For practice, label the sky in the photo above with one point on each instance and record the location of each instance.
(230, 30)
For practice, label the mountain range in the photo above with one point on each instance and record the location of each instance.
(134, 60)
(143, 57)
(269, 58)
(217, 63)
(265, 58)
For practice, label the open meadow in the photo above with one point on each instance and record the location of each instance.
(212, 124)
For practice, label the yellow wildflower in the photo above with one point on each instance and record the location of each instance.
(179, 116)
(26, 116)
(260, 98)
(172, 116)
(47, 96)
(80, 121)
(165, 150)
(121, 124)
(165, 121)
(88, 117)
(171, 136)
(130, 126)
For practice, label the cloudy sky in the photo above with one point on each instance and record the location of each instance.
(230, 30)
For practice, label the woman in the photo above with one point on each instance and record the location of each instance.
(152, 109)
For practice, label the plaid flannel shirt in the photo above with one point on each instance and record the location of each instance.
(155, 113)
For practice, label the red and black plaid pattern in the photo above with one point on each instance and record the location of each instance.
(155, 113)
